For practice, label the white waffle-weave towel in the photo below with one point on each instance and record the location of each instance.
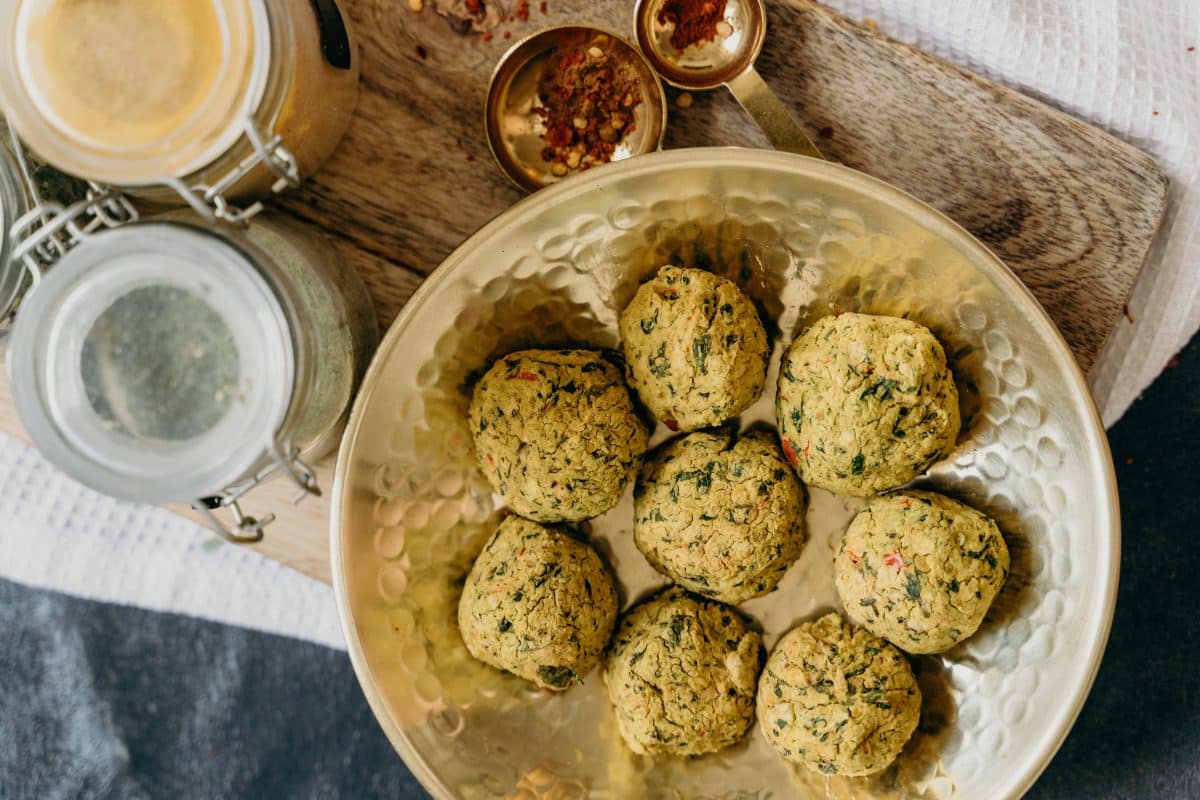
(1131, 67)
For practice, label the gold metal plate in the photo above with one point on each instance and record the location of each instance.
(806, 238)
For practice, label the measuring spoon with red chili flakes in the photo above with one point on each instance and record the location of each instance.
(701, 44)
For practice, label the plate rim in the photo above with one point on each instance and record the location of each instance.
(1108, 556)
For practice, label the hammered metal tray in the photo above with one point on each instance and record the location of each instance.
(804, 238)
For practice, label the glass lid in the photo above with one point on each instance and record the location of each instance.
(153, 363)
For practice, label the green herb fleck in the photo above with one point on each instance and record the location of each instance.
(659, 364)
(738, 515)
(549, 570)
(882, 388)
(558, 677)
(875, 698)
(649, 323)
(912, 586)
(505, 625)
(856, 466)
(700, 353)
(677, 624)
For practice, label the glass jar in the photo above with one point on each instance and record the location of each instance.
(214, 98)
(175, 360)
(13, 205)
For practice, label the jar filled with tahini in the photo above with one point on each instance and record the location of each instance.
(219, 97)
(175, 360)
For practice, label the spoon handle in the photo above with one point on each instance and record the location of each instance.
(769, 112)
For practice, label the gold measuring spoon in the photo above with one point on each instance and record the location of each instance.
(726, 59)
(514, 126)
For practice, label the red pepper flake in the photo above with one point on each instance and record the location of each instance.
(790, 452)
(542, 6)
(695, 21)
(895, 561)
(524, 376)
(422, 52)
(491, 460)
(508, 34)
(854, 556)
(473, 6)
(487, 37)
(826, 132)
(804, 452)
(587, 104)
(1192, 49)
(1154, 112)
(672, 424)
(1125, 311)
(522, 12)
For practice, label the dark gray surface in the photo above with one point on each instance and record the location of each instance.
(1139, 733)
(99, 700)
(106, 701)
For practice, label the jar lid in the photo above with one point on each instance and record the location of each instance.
(154, 363)
(12, 206)
(131, 92)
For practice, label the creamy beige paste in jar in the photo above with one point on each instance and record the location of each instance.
(137, 94)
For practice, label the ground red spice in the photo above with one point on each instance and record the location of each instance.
(588, 99)
(487, 37)
(695, 21)
(542, 6)
(522, 12)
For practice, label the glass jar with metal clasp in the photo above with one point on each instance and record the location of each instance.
(218, 101)
(176, 359)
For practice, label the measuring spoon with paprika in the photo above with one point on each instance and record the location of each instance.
(701, 44)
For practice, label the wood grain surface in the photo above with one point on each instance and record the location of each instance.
(1071, 209)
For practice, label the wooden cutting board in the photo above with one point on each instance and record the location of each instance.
(1070, 208)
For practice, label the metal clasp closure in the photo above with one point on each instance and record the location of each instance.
(210, 201)
(247, 529)
(45, 233)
